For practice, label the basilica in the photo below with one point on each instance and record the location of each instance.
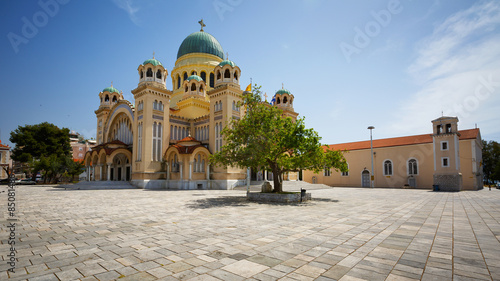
(165, 137)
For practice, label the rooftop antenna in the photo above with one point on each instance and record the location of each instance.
(202, 24)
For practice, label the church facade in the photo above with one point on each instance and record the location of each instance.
(448, 158)
(165, 138)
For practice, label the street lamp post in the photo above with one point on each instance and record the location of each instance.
(372, 176)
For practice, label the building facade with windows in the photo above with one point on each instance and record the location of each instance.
(4, 160)
(448, 157)
(165, 137)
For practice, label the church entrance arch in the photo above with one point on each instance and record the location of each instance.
(365, 178)
(120, 168)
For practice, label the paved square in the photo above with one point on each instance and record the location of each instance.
(342, 234)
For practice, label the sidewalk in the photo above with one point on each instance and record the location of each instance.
(342, 234)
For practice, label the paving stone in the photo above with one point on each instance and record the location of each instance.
(245, 268)
(347, 232)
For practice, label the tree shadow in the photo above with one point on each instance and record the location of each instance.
(325, 200)
(217, 202)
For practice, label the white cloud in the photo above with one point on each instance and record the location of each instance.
(458, 69)
(127, 6)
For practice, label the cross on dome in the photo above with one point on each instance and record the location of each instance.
(202, 24)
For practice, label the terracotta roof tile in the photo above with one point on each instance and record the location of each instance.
(408, 140)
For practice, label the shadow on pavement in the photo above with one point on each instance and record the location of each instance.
(224, 201)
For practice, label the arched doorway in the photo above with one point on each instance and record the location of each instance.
(120, 168)
(365, 178)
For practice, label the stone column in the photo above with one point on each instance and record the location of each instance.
(168, 171)
(180, 170)
(88, 173)
(100, 172)
(190, 170)
(93, 173)
(109, 172)
(208, 172)
(265, 175)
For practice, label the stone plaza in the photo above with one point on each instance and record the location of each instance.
(341, 234)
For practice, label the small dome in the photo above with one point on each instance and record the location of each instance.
(152, 61)
(111, 90)
(200, 42)
(283, 91)
(224, 62)
(196, 77)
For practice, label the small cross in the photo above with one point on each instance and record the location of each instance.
(265, 96)
(282, 86)
(111, 83)
(227, 56)
(202, 24)
(153, 54)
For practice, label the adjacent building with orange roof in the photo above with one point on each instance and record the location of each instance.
(448, 158)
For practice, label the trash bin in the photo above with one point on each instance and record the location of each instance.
(302, 194)
(435, 187)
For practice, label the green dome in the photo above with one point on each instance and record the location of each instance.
(200, 42)
(198, 78)
(153, 61)
(283, 91)
(111, 90)
(224, 62)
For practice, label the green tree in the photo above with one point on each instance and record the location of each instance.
(491, 161)
(264, 139)
(75, 168)
(45, 143)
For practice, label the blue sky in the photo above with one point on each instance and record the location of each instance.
(395, 65)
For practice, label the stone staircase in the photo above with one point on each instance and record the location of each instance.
(94, 185)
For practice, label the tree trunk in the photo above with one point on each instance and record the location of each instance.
(277, 180)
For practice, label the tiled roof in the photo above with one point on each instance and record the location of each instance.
(3, 145)
(186, 149)
(399, 141)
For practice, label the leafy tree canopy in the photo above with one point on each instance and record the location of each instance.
(264, 139)
(491, 161)
(41, 140)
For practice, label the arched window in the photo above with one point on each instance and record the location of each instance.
(142, 74)
(236, 76)
(160, 106)
(155, 105)
(412, 167)
(212, 79)
(193, 87)
(185, 76)
(149, 73)
(186, 89)
(178, 81)
(219, 75)
(284, 99)
(201, 89)
(158, 74)
(204, 76)
(106, 98)
(278, 101)
(227, 74)
(193, 72)
(387, 168)
(114, 99)
(234, 105)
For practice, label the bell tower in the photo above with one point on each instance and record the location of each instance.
(152, 103)
(224, 100)
(446, 154)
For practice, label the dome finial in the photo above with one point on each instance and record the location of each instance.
(202, 24)
(227, 56)
(282, 86)
(153, 54)
(111, 83)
